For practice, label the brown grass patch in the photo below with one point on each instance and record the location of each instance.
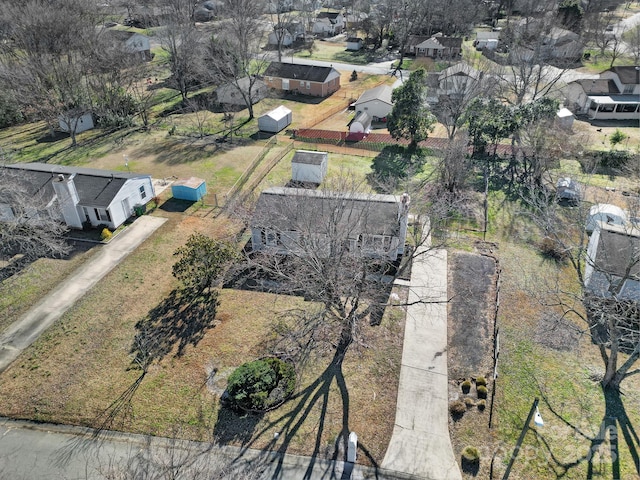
(81, 372)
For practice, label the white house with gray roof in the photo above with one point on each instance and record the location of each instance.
(304, 222)
(85, 196)
(376, 102)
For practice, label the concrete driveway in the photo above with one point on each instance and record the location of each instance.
(420, 444)
(27, 329)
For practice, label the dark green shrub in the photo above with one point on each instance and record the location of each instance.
(457, 409)
(470, 460)
(466, 386)
(482, 391)
(481, 381)
(261, 384)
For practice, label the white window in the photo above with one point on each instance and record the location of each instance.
(143, 192)
(308, 85)
(270, 238)
(102, 215)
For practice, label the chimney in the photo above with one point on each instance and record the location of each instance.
(403, 208)
(68, 199)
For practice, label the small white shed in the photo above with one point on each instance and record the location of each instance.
(309, 166)
(275, 120)
(354, 44)
(606, 213)
(76, 124)
(564, 118)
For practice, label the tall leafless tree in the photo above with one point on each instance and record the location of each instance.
(46, 57)
(185, 47)
(605, 276)
(234, 53)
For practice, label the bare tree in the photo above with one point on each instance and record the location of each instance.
(30, 225)
(47, 58)
(597, 26)
(534, 67)
(184, 44)
(234, 54)
(617, 46)
(632, 39)
(280, 19)
(606, 265)
(455, 167)
(457, 89)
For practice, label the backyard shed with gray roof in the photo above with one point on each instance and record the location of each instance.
(85, 196)
(309, 166)
(275, 120)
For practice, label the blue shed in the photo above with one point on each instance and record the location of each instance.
(189, 189)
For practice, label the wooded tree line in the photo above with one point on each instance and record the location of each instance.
(59, 61)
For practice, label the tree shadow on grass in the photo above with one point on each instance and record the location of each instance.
(615, 421)
(392, 165)
(180, 320)
(316, 395)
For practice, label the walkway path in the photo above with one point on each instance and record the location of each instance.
(420, 444)
(27, 329)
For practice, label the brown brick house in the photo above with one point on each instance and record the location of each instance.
(303, 79)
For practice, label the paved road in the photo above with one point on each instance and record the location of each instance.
(420, 444)
(32, 451)
(27, 329)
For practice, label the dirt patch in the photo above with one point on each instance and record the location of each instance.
(471, 287)
(557, 333)
(472, 280)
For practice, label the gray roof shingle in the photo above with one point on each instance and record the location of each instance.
(311, 73)
(96, 188)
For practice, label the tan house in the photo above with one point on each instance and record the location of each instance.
(302, 79)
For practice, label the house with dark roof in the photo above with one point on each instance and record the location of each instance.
(329, 23)
(302, 79)
(613, 95)
(436, 46)
(82, 196)
(376, 102)
(613, 261)
(303, 222)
